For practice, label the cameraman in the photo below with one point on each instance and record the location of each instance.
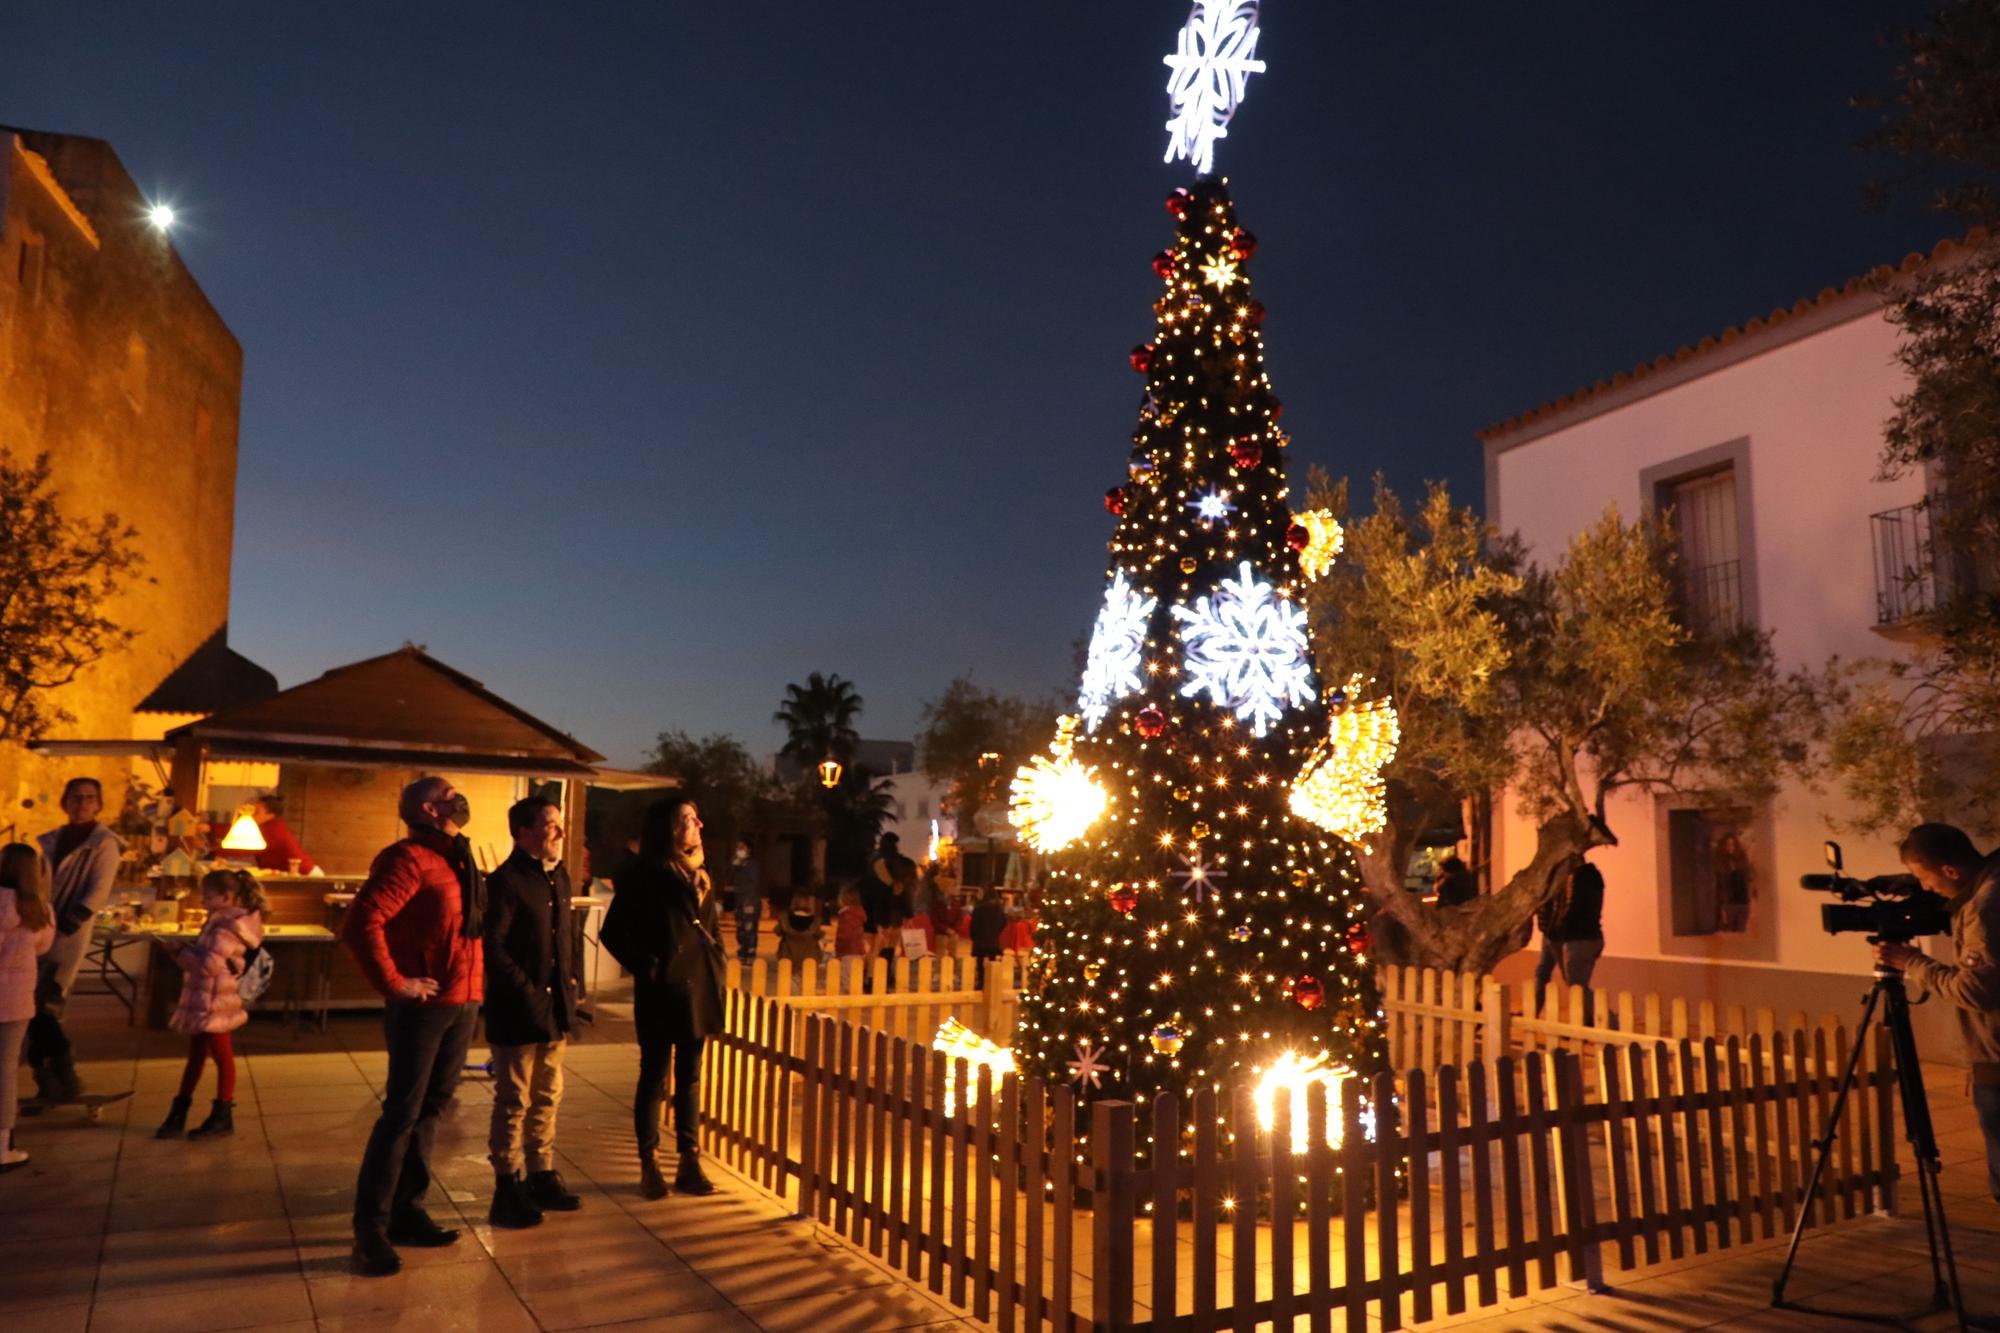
(1946, 863)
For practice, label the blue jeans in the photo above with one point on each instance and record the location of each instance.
(1576, 959)
(1986, 1104)
(427, 1046)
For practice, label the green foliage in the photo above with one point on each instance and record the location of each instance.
(974, 739)
(1565, 684)
(818, 718)
(58, 576)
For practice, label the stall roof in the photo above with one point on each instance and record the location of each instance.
(403, 709)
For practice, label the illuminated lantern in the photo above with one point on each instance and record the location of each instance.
(829, 772)
(243, 835)
(1309, 992)
(1150, 722)
(1142, 357)
(1168, 1040)
(1246, 454)
(1124, 899)
(1114, 502)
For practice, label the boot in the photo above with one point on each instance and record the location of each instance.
(511, 1205)
(416, 1227)
(652, 1184)
(176, 1122)
(220, 1123)
(374, 1256)
(689, 1179)
(546, 1188)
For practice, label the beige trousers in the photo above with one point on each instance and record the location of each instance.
(527, 1087)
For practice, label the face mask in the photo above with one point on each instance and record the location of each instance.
(457, 810)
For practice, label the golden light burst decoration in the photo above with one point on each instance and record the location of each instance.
(1291, 1076)
(1219, 272)
(1341, 788)
(1054, 799)
(955, 1041)
(1324, 543)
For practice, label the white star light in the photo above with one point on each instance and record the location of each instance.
(1211, 65)
(1089, 1065)
(1246, 647)
(1117, 650)
(1200, 876)
(1212, 507)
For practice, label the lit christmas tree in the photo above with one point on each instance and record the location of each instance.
(1203, 922)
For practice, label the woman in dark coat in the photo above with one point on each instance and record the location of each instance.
(665, 928)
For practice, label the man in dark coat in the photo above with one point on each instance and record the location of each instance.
(665, 928)
(532, 987)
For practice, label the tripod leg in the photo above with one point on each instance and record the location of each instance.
(1922, 1136)
(1823, 1147)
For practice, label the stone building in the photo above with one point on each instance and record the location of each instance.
(113, 362)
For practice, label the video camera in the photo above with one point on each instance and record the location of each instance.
(1894, 909)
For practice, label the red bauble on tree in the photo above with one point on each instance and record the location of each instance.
(1124, 899)
(1298, 536)
(1242, 244)
(1163, 263)
(1277, 408)
(1253, 314)
(1150, 722)
(1178, 203)
(1114, 501)
(1358, 939)
(1246, 454)
(1142, 357)
(1309, 992)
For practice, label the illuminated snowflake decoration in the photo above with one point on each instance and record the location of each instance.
(1117, 650)
(1212, 507)
(1089, 1066)
(1246, 647)
(1211, 67)
(1055, 799)
(1201, 877)
(1219, 272)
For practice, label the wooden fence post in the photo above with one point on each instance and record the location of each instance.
(1496, 1021)
(993, 1003)
(1111, 1196)
(1578, 1182)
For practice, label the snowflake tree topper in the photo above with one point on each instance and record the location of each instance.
(1211, 66)
(1117, 650)
(1246, 647)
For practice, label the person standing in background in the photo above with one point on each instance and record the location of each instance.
(82, 857)
(1572, 925)
(747, 899)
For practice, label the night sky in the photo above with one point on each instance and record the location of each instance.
(639, 359)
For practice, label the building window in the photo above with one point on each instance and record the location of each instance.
(1706, 523)
(28, 267)
(1713, 879)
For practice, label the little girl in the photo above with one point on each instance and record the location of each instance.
(211, 1006)
(850, 928)
(27, 929)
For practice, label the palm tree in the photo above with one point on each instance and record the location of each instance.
(818, 718)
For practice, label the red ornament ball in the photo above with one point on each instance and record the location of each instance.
(1142, 357)
(1124, 899)
(1298, 536)
(1150, 722)
(1246, 454)
(1179, 202)
(1253, 314)
(1242, 244)
(1309, 992)
(1277, 408)
(1358, 939)
(1163, 263)
(1114, 501)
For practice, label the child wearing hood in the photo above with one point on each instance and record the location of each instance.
(27, 930)
(211, 1004)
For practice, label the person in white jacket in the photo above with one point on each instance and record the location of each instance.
(81, 858)
(27, 929)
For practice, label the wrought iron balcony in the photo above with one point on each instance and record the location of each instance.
(1907, 573)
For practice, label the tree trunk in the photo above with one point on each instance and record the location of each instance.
(1475, 937)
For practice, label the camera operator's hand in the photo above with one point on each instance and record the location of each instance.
(1898, 956)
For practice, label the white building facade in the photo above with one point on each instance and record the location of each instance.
(1766, 441)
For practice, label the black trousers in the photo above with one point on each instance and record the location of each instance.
(666, 1040)
(427, 1046)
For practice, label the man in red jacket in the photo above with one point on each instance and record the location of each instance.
(414, 931)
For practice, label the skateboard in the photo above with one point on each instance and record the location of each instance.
(93, 1104)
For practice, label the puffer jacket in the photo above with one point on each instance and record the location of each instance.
(19, 947)
(210, 1000)
(408, 921)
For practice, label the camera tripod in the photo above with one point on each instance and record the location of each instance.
(1888, 1002)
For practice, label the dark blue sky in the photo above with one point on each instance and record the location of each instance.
(639, 359)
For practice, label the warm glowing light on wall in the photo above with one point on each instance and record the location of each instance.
(1292, 1076)
(243, 835)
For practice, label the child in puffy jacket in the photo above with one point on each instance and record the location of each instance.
(27, 929)
(850, 927)
(211, 1004)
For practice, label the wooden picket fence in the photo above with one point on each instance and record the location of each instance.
(907, 998)
(1028, 1210)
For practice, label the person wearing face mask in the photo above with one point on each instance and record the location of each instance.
(664, 926)
(532, 987)
(415, 932)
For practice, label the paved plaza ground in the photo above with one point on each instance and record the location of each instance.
(107, 1228)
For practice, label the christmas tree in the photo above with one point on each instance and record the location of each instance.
(1202, 919)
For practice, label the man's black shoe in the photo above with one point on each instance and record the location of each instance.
(689, 1179)
(511, 1205)
(546, 1188)
(416, 1228)
(374, 1256)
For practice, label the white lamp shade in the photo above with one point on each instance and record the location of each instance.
(243, 835)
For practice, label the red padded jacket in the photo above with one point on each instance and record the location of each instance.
(408, 919)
